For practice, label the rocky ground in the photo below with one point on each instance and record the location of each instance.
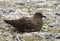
(15, 9)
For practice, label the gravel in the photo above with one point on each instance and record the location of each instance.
(15, 9)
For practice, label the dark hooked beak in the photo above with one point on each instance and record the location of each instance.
(44, 16)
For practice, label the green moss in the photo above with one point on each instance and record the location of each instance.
(14, 5)
(45, 23)
(50, 29)
(2, 28)
(57, 29)
(21, 7)
(45, 35)
(47, 14)
(0, 16)
(6, 35)
(29, 10)
(33, 39)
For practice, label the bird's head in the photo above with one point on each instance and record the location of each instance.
(39, 15)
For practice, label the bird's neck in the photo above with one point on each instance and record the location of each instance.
(36, 19)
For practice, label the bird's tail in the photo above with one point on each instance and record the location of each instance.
(11, 22)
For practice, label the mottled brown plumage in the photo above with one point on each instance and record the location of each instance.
(26, 24)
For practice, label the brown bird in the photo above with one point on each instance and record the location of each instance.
(26, 24)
